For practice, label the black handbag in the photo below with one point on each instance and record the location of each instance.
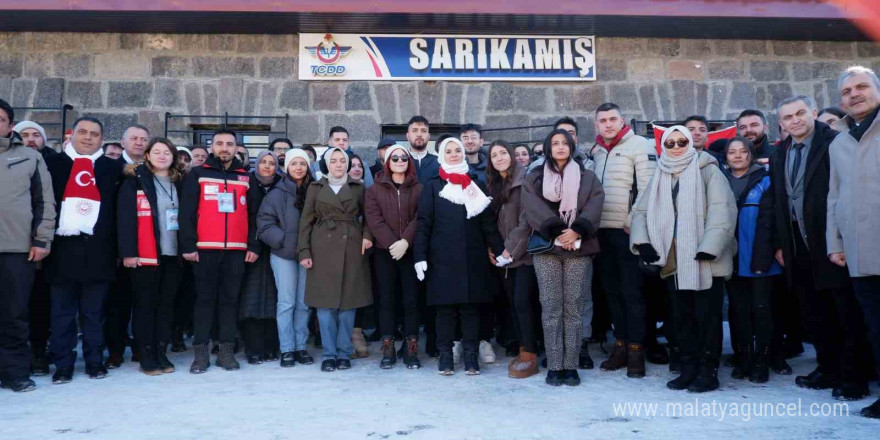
(538, 244)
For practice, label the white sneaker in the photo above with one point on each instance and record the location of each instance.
(456, 352)
(487, 353)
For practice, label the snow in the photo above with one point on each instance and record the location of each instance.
(268, 402)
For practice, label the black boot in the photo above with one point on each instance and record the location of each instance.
(39, 361)
(252, 359)
(411, 358)
(850, 391)
(177, 345)
(471, 359)
(873, 411)
(149, 363)
(303, 357)
(288, 359)
(760, 371)
(687, 376)
(571, 378)
(445, 363)
(817, 380)
(328, 365)
(655, 353)
(202, 359)
(389, 357)
(585, 362)
(707, 380)
(780, 366)
(674, 360)
(742, 367)
(554, 378)
(18, 385)
(162, 358)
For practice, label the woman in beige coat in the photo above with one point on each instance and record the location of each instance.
(332, 242)
(684, 223)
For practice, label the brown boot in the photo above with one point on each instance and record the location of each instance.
(635, 361)
(360, 344)
(523, 366)
(617, 360)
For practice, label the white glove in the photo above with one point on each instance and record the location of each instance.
(501, 261)
(421, 268)
(398, 249)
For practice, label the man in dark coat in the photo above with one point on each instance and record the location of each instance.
(82, 266)
(830, 312)
(418, 134)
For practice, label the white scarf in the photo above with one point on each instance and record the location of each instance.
(687, 228)
(81, 201)
(472, 197)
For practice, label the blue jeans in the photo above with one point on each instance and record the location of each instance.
(292, 314)
(336, 327)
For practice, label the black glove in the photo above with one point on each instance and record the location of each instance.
(702, 256)
(647, 253)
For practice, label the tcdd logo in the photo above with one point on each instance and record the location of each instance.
(328, 52)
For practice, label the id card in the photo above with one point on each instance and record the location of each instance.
(171, 219)
(225, 203)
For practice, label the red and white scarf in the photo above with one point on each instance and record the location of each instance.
(459, 188)
(82, 201)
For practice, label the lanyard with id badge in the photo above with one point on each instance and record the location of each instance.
(172, 212)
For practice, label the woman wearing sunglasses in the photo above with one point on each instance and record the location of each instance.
(684, 224)
(391, 208)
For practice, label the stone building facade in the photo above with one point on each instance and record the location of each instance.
(127, 78)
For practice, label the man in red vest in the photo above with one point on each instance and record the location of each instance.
(218, 234)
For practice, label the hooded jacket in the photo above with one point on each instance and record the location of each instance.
(28, 215)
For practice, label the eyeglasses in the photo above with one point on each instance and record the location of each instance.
(397, 158)
(539, 153)
(681, 143)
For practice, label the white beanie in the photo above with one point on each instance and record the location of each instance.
(295, 152)
(392, 148)
(185, 150)
(24, 125)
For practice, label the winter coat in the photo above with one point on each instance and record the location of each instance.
(826, 275)
(259, 296)
(720, 218)
(426, 168)
(28, 215)
(455, 248)
(633, 159)
(542, 215)
(278, 220)
(331, 232)
(754, 228)
(765, 149)
(391, 213)
(854, 201)
(512, 223)
(137, 179)
(479, 169)
(86, 258)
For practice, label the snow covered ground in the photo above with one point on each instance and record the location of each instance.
(268, 402)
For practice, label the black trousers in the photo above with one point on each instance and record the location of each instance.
(16, 277)
(788, 326)
(750, 312)
(40, 312)
(185, 299)
(867, 291)
(118, 311)
(218, 277)
(601, 322)
(521, 286)
(696, 317)
(86, 300)
(448, 316)
(155, 289)
(396, 278)
(833, 320)
(260, 336)
(657, 307)
(623, 281)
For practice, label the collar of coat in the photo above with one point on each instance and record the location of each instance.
(326, 194)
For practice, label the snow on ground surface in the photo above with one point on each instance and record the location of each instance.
(268, 402)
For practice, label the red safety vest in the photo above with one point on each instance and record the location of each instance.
(147, 249)
(223, 230)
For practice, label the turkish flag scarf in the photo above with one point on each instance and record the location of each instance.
(82, 201)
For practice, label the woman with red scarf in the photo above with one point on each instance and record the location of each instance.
(455, 230)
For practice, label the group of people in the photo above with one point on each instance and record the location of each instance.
(544, 248)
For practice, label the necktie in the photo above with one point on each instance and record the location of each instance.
(796, 163)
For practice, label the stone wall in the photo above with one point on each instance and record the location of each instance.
(125, 78)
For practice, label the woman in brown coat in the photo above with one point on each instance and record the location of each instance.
(505, 177)
(391, 211)
(563, 205)
(332, 244)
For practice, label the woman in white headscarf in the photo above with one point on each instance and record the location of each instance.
(684, 223)
(454, 230)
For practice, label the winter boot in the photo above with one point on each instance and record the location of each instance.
(487, 353)
(655, 353)
(360, 344)
(571, 378)
(674, 360)
(872, 411)
(411, 358)
(149, 364)
(226, 357)
(446, 363)
(584, 360)
(850, 391)
(39, 361)
(164, 363)
(472, 359)
(686, 377)
(760, 369)
(288, 359)
(554, 378)
(202, 359)
(618, 358)
(523, 366)
(707, 380)
(389, 357)
(177, 345)
(742, 366)
(635, 361)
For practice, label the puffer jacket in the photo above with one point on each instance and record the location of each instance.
(392, 213)
(634, 158)
(512, 224)
(28, 215)
(278, 220)
(720, 217)
(754, 228)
